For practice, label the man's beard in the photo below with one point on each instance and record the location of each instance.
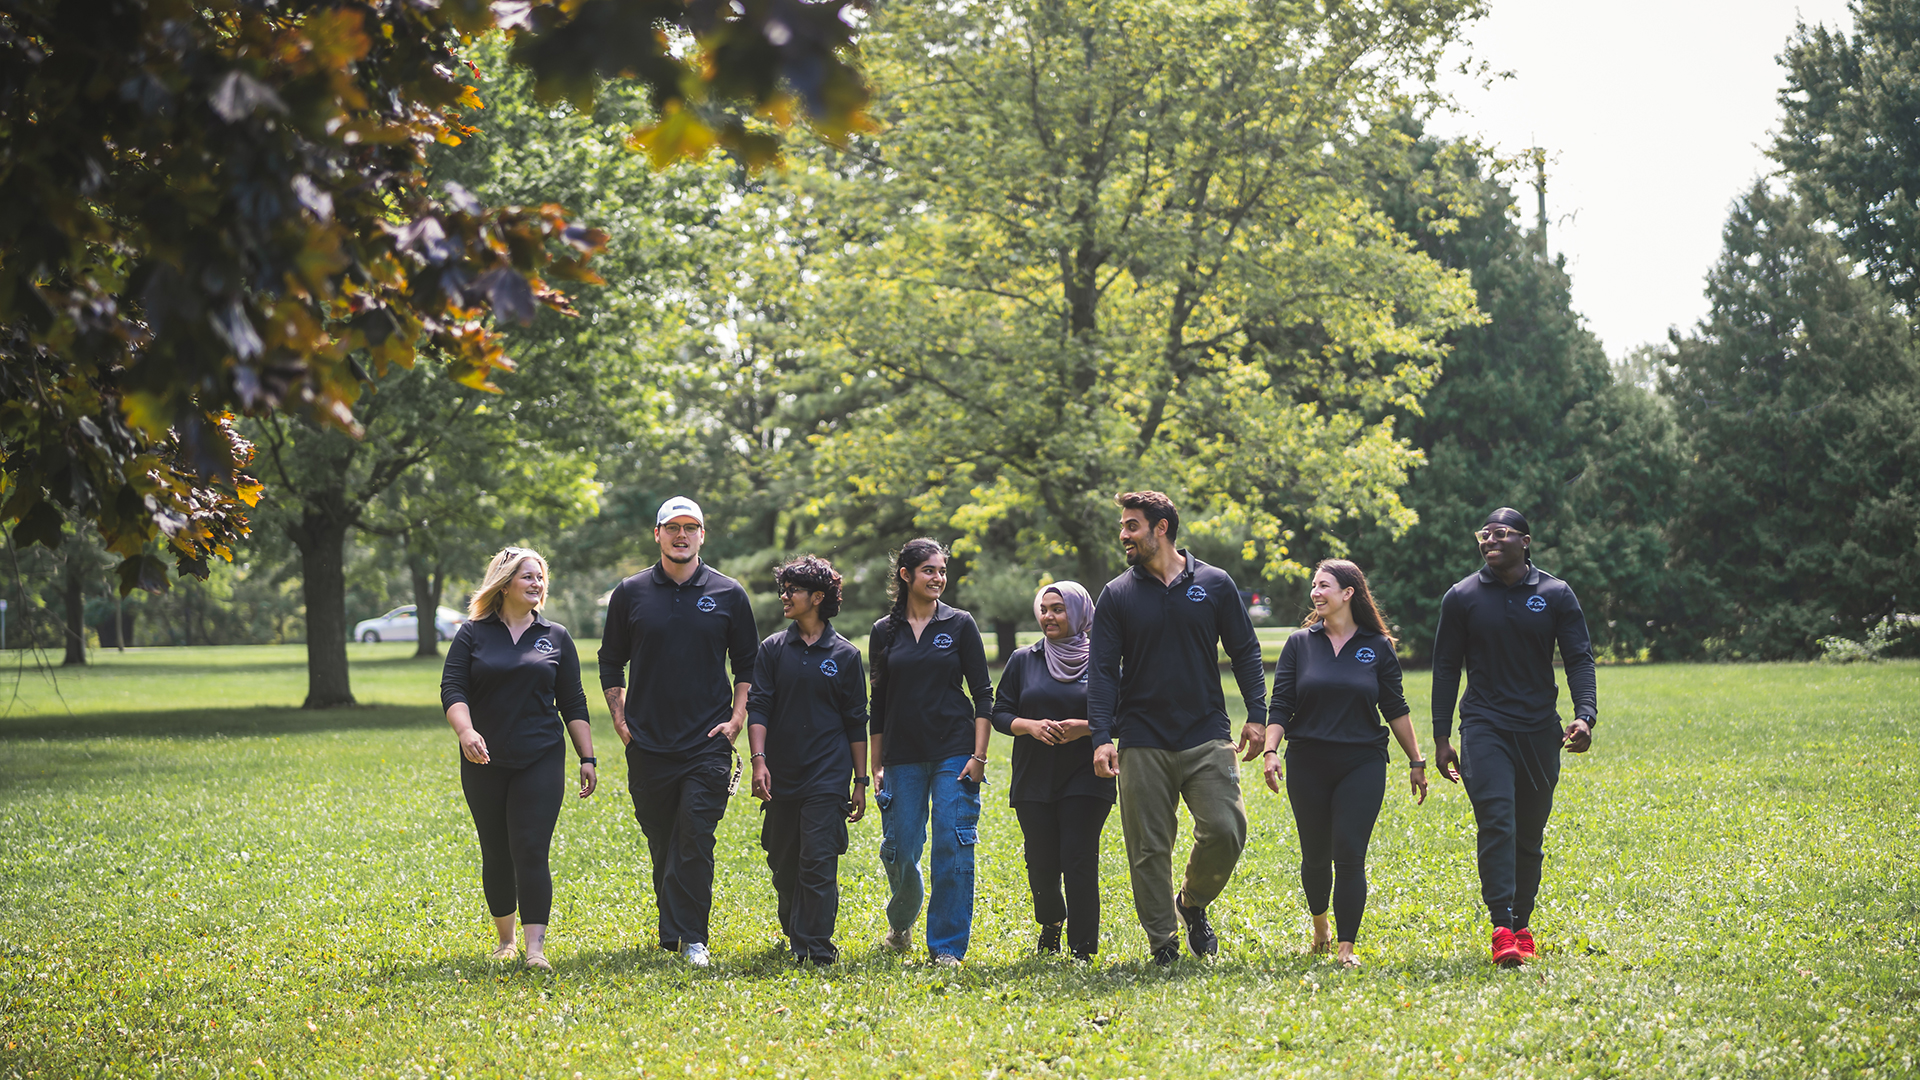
(673, 558)
(1138, 555)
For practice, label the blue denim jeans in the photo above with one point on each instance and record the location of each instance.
(911, 791)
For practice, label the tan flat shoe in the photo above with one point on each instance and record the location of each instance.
(505, 954)
(538, 961)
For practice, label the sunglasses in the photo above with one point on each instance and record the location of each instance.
(1497, 533)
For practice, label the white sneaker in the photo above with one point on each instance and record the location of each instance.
(897, 940)
(696, 954)
(947, 960)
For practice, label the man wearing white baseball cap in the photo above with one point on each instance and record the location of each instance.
(679, 625)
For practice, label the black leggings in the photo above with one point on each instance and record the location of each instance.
(514, 811)
(1336, 790)
(1063, 845)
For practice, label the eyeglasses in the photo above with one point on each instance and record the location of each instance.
(1498, 534)
(680, 528)
(794, 590)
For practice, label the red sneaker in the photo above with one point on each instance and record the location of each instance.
(1523, 939)
(1506, 951)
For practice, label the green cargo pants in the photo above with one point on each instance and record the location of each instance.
(1152, 783)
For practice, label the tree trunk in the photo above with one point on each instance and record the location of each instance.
(76, 634)
(1004, 630)
(322, 540)
(426, 601)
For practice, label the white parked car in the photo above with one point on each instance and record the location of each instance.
(400, 624)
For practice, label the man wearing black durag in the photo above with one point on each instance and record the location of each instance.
(1501, 626)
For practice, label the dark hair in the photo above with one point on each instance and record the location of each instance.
(1154, 506)
(811, 573)
(1366, 613)
(909, 557)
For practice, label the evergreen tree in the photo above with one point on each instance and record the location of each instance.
(1526, 413)
(1801, 396)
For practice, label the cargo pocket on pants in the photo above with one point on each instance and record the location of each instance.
(967, 835)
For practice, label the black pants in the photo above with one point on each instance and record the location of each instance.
(1063, 847)
(514, 811)
(1510, 780)
(804, 839)
(679, 803)
(1336, 790)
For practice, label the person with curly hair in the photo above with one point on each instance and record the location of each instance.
(929, 750)
(807, 728)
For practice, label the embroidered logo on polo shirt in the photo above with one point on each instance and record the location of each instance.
(1536, 603)
(1364, 655)
(943, 641)
(706, 604)
(1196, 594)
(543, 645)
(829, 668)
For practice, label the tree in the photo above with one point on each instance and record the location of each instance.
(327, 484)
(1850, 137)
(1102, 247)
(1526, 413)
(1800, 392)
(485, 480)
(222, 209)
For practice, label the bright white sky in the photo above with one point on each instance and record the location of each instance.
(1655, 114)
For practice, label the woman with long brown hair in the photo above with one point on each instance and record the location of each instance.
(511, 688)
(1336, 680)
(931, 713)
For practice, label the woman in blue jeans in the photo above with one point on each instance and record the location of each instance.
(928, 750)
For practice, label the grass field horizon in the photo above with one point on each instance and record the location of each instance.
(206, 880)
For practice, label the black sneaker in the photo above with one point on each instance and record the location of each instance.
(1200, 936)
(1050, 938)
(1165, 955)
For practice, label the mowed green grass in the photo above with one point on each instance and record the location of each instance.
(201, 880)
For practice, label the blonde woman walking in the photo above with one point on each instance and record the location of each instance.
(511, 688)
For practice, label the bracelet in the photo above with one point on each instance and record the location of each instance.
(1272, 752)
(978, 758)
(1416, 764)
(750, 757)
(590, 761)
(862, 781)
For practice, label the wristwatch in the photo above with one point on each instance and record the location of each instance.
(590, 761)
(862, 781)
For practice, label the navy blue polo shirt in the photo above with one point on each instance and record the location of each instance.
(1346, 697)
(1504, 637)
(517, 692)
(679, 640)
(812, 699)
(920, 687)
(1042, 772)
(1155, 674)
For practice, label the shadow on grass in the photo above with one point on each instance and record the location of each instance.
(217, 723)
(771, 967)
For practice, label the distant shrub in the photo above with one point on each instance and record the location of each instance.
(1840, 650)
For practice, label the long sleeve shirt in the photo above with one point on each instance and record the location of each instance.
(1155, 675)
(678, 640)
(812, 699)
(920, 703)
(1345, 697)
(1042, 772)
(519, 694)
(1504, 636)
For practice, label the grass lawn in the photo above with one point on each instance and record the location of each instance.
(202, 880)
